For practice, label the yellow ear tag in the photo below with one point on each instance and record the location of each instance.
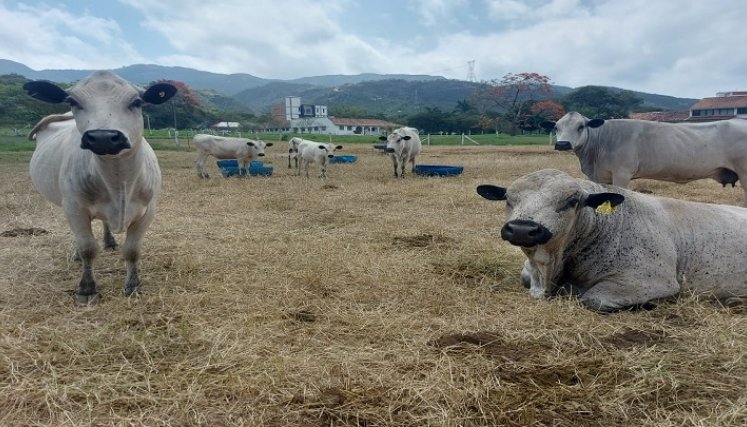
(605, 208)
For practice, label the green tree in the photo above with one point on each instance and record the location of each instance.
(602, 103)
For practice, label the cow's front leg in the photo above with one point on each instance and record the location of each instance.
(609, 296)
(243, 167)
(85, 246)
(621, 179)
(322, 172)
(200, 165)
(131, 250)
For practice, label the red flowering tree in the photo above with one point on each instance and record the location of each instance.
(505, 99)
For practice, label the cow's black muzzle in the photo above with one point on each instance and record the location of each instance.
(563, 146)
(389, 150)
(525, 233)
(104, 141)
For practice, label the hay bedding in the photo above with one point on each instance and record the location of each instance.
(358, 301)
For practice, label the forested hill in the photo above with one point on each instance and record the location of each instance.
(375, 94)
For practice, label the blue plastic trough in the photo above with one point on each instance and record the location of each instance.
(231, 168)
(347, 158)
(438, 170)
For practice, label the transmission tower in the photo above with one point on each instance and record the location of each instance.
(471, 72)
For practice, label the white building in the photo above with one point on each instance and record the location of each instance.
(309, 118)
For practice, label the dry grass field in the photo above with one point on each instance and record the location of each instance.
(360, 300)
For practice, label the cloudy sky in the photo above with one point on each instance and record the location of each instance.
(685, 48)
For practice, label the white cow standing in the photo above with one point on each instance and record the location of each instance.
(96, 164)
(619, 248)
(315, 152)
(293, 150)
(403, 145)
(619, 150)
(223, 148)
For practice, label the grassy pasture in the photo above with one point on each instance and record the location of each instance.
(360, 300)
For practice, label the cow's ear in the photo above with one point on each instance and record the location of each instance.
(491, 192)
(407, 137)
(547, 125)
(268, 144)
(250, 143)
(159, 93)
(604, 201)
(45, 91)
(595, 123)
(382, 138)
(339, 147)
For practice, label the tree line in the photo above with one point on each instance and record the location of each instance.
(512, 104)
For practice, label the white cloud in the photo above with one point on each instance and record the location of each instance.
(676, 47)
(433, 11)
(268, 38)
(44, 35)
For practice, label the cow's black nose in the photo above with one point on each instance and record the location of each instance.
(261, 154)
(330, 155)
(389, 150)
(563, 146)
(525, 233)
(104, 141)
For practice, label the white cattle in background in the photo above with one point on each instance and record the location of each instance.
(315, 152)
(95, 163)
(293, 150)
(619, 150)
(223, 148)
(617, 248)
(403, 145)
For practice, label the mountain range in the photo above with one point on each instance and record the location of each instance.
(380, 94)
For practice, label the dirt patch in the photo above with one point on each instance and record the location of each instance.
(303, 315)
(423, 240)
(634, 338)
(490, 344)
(18, 232)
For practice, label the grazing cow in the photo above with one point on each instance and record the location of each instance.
(403, 145)
(618, 248)
(617, 151)
(315, 152)
(95, 163)
(223, 147)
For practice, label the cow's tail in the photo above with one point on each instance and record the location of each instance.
(46, 121)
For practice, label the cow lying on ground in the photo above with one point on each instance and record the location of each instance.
(403, 145)
(617, 151)
(95, 163)
(315, 152)
(619, 248)
(223, 148)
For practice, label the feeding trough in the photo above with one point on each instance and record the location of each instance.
(438, 170)
(347, 158)
(231, 168)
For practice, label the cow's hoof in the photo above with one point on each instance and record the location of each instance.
(133, 291)
(735, 302)
(86, 300)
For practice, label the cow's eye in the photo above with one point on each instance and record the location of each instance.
(73, 103)
(570, 203)
(138, 103)
(580, 128)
